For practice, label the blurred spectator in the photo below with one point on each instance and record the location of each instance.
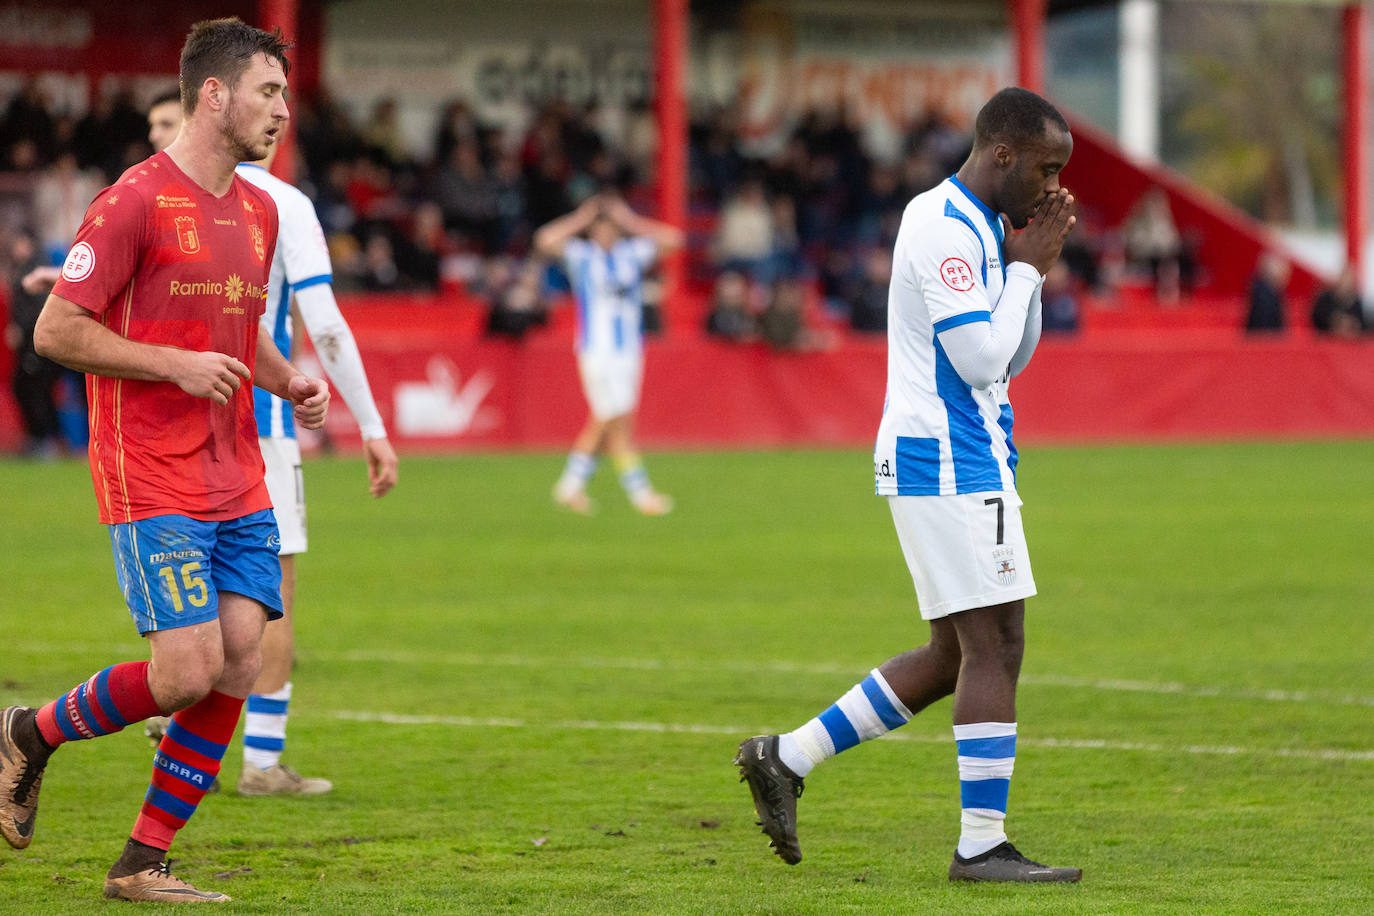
(379, 273)
(60, 197)
(331, 199)
(466, 195)
(1267, 302)
(1153, 244)
(744, 234)
(715, 159)
(787, 258)
(941, 144)
(382, 134)
(546, 187)
(421, 250)
(1058, 303)
(370, 190)
(457, 123)
(1337, 309)
(34, 377)
(783, 322)
(26, 118)
(508, 189)
(515, 304)
(730, 316)
(868, 301)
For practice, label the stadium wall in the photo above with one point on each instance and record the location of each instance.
(443, 387)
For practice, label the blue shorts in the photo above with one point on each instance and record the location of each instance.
(171, 568)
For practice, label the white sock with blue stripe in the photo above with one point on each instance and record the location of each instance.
(868, 710)
(264, 727)
(987, 754)
(579, 469)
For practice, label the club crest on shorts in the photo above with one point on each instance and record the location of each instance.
(1004, 565)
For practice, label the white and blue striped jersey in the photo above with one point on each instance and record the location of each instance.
(608, 289)
(300, 261)
(940, 436)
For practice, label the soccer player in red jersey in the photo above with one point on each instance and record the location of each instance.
(159, 302)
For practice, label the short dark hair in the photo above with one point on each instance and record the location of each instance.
(171, 95)
(1016, 116)
(222, 48)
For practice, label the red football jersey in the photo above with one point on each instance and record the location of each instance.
(160, 260)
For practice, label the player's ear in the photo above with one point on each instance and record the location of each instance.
(212, 93)
(1002, 155)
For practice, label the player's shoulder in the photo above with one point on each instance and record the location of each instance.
(256, 194)
(283, 192)
(936, 217)
(141, 183)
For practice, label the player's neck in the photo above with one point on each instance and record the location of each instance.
(976, 179)
(203, 156)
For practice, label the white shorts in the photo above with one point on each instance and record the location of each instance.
(286, 487)
(611, 383)
(965, 551)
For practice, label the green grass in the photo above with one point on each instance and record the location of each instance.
(532, 712)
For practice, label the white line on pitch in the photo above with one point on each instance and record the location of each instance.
(475, 660)
(387, 718)
(826, 668)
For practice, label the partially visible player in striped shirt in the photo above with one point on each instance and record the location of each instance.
(607, 270)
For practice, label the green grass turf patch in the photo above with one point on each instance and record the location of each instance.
(526, 711)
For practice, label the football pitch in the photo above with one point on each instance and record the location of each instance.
(526, 711)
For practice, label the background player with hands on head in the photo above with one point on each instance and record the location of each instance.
(607, 270)
(963, 318)
(159, 301)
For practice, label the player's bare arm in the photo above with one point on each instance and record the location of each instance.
(1040, 242)
(40, 280)
(666, 236)
(310, 396)
(68, 334)
(552, 236)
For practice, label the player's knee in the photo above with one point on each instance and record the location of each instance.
(243, 667)
(188, 685)
(947, 656)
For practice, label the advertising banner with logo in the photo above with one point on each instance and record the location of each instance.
(442, 387)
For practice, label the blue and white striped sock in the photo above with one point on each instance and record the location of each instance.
(987, 755)
(868, 710)
(264, 727)
(579, 469)
(634, 479)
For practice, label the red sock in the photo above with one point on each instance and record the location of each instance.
(186, 763)
(110, 700)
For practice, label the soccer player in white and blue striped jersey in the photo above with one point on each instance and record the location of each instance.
(607, 269)
(963, 318)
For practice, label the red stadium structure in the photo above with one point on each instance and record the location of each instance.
(1133, 374)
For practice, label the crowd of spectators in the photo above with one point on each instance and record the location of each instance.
(802, 230)
(808, 220)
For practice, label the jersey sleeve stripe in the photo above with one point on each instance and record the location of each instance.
(311, 281)
(955, 321)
